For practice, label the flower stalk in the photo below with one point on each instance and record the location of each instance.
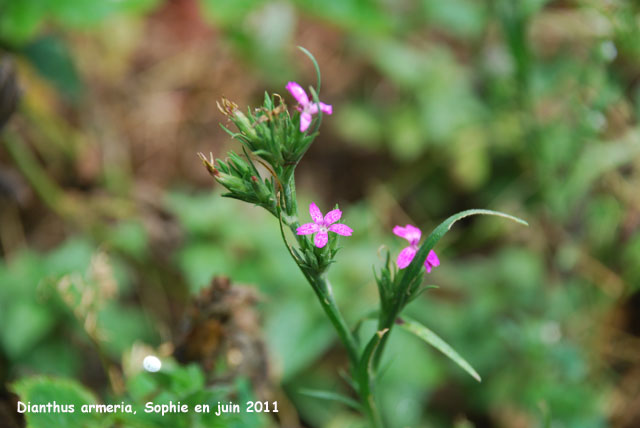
(276, 138)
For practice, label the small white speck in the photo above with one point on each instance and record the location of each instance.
(597, 120)
(550, 332)
(151, 363)
(235, 357)
(608, 50)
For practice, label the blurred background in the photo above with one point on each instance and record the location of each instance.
(115, 243)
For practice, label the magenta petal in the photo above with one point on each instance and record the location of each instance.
(298, 93)
(400, 231)
(305, 121)
(413, 234)
(405, 257)
(341, 229)
(316, 214)
(307, 229)
(410, 233)
(326, 108)
(321, 239)
(432, 261)
(332, 216)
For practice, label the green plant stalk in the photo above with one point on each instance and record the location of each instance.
(319, 282)
(322, 287)
(368, 401)
(323, 290)
(386, 322)
(48, 191)
(403, 281)
(365, 374)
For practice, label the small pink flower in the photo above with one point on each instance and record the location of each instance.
(306, 107)
(413, 234)
(321, 225)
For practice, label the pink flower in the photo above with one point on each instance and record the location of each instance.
(321, 225)
(306, 107)
(413, 234)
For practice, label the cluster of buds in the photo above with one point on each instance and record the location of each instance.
(271, 133)
(271, 137)
(242, 180)
(277, 140)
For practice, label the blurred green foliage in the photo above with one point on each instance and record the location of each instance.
(528, 107)
(21, 21)
(177, 385)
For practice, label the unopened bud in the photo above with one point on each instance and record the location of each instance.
(209, 164)
(228, 108)
(244, 124)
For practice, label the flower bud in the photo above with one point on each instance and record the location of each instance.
(230, 109)
(209, 164)
(232, 183)
(244, 125)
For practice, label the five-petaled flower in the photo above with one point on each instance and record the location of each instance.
(306, 107)
(321, 225)
(413, 234)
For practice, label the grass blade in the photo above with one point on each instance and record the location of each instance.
(434, 340)
(331, 396)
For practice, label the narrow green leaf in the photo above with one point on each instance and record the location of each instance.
(412, 270)
(315, 92)
(365, 368)
(331, 396)
(315, 66)
(434, 340)
(420, 290)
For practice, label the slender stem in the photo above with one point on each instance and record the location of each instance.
(368, 402)
(322, 287)
(365, 375)
(42, 184)
(387, 321)
(323, 290)
(379, 351)
(319, 282)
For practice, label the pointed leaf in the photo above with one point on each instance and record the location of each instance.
(315, 66)
(408, 274)
(331, 396)
(434, 340)
(365, 366)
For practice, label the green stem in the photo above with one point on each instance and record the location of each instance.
(323, 290)
(322, 287)
(370, 407)
(48, 191)
(365, 374)
(319, 282)
(380, 350)
(386, 322)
